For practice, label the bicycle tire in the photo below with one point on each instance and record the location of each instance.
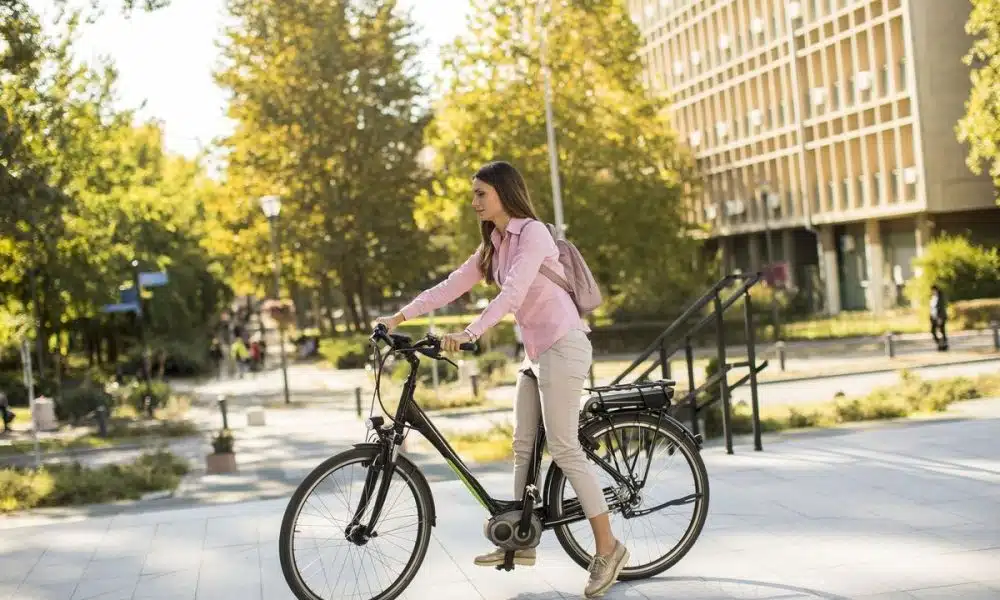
(556, 482)
(425, 511)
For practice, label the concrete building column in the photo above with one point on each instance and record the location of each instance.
(726, 243)
(788, 255)
(875, 258)
(829, 270)
(753, 249)
(923, 233)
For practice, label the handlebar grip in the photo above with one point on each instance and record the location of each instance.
(469, 346)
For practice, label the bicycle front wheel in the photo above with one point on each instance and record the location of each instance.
(665, 518)
(322, 557)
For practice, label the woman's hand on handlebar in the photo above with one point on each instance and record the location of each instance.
(390, 322)
(452, 341)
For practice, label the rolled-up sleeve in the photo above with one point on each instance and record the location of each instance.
(460, 281)
(533, 246)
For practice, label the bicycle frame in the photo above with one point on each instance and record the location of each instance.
(408, 413)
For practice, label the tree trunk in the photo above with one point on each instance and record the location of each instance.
(352, 309)
(323, 306)
(362, 300)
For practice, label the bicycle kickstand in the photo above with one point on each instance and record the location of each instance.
(508, 561)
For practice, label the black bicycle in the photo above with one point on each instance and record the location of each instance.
(359, 525)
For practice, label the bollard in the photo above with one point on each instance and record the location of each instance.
(781, 354)
(996, 335)
(147, 402)
(475, 385)
(225, 415)
(890, 349)
(357, 400)
(102, 421)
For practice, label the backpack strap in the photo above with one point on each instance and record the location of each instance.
(556, 278)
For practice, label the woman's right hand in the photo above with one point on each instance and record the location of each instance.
(390, 322)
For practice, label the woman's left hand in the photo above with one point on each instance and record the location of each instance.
(451, 342)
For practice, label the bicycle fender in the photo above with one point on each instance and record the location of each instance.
(696, 440)
(409, 465)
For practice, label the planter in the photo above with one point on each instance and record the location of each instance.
(217, 463)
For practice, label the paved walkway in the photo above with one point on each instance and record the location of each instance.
(904, 511)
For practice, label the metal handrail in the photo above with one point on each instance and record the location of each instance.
(657, 345)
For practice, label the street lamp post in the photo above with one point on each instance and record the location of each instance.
(271, 205)
(550, 129)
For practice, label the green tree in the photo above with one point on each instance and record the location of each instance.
(84, 193)
(325, 99)
(625, 178)
(980, 127)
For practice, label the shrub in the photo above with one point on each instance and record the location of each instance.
(181, 358)
(447, 398)
(974, 314)
(492, 363)
(81, 401)
(134, 394)
(223, 442)
(961, 269)
(74, 484)
(349, 352)
(425, 372)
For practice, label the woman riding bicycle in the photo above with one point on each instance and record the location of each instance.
(558, 351)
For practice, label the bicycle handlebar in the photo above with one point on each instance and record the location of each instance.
(429, 345)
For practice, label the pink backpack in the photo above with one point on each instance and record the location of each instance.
(579, 281)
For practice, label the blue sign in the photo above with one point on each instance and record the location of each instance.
(121, 307)
(128, 296)
(153, 279)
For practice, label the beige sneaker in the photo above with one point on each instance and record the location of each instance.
(524, 558)
(604, 571)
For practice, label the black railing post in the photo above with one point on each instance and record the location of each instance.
(689, 358)
(664, 360)
(996, 335)
(723, 372)
(752, 360)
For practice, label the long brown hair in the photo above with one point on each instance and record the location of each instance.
(513, 193)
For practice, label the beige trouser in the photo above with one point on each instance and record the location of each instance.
(555, 398)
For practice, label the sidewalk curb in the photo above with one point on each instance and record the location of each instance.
(970, 361)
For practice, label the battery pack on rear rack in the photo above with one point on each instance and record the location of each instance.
(648, 395)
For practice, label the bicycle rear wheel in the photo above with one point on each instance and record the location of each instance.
(672, 505)
(321, 558)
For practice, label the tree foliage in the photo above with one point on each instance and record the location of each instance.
(85, 191)
(980, 127)
(624, 176)
(324, 94)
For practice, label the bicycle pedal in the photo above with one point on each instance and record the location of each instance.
(508, 562)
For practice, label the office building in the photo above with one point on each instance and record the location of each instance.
(826, 127)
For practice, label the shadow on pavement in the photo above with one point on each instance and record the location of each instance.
(751, 588)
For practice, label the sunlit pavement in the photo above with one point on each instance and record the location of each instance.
(905, 511)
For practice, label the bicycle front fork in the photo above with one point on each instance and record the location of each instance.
(375, 490)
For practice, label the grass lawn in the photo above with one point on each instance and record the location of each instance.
(69, 485)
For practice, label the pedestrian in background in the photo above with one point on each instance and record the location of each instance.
(939, 316)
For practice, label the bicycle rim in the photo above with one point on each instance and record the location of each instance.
(676, 472)
(318, 560)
